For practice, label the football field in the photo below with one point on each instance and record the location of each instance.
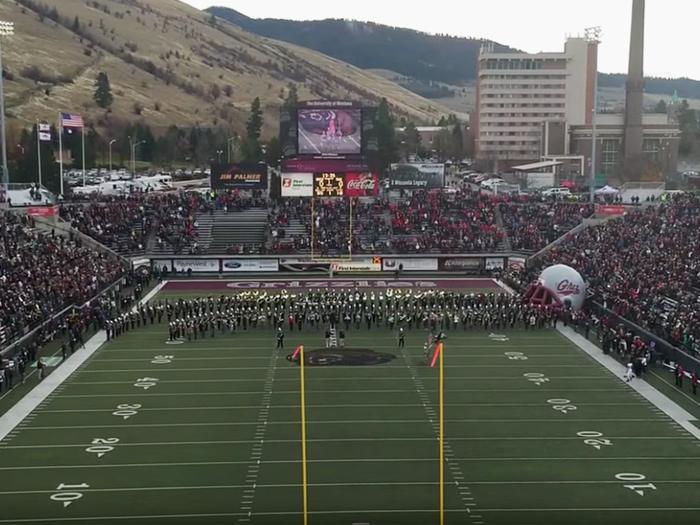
(208, 432)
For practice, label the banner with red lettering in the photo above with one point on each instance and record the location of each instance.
(606, 209)
(42, 211)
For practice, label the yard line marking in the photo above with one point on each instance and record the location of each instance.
(348, 460)
(54, 381)
(322, 485)
(654, 396)
(333, 379)
(418, 383)
(264, 412)
(344, 422)
(351, 440)
(337, 512)
(254, 467)
(234, 358)
(324, 392)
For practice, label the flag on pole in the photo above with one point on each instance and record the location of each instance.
(44, 132)
(69, 120)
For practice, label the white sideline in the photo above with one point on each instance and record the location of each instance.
(25, 406)
(656, 398)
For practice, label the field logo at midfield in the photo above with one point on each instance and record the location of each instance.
(498, 337)
(344, 357)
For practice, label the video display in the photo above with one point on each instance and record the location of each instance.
(330, 131)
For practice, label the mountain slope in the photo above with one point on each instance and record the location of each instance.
(413, 54)
(366, 45)
(168, 63)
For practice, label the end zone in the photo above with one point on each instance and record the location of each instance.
(291, 284)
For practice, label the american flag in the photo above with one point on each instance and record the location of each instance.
(69, 120)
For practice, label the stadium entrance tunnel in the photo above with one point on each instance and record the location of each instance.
(343, 357)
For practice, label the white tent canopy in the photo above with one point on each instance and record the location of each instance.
(607, 190)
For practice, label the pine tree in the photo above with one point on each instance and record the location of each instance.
(292, 99)
(253, 127)
(103, 92)
(76, 24)
(386, 137)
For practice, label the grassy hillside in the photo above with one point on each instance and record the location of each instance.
(168, 63)
(420, 58)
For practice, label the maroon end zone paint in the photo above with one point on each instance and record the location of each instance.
(306, 284)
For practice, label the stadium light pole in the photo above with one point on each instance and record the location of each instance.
(593, 35)
(219, 153)
(6, 29)
(228, 147)
(110, 155)
(133, 156)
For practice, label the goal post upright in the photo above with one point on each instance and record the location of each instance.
(304, 482)
(441, 432)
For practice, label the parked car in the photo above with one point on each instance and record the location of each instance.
(558, 192)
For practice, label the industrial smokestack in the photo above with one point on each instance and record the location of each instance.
(634, 101)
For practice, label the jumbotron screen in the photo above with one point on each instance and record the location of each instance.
(326, 131)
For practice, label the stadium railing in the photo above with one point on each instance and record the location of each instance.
(31, 331)
(64, 226)
(666, 351)
(587, 223)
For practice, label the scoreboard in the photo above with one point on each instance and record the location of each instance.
(329, 185)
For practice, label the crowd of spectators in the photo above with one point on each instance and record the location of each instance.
(119, 224)
(41, 273)
(436, 221)
(533, 225)
(644, 267)
(125, 223)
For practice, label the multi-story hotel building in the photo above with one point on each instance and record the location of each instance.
(518, 94)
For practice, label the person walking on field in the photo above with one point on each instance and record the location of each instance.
(280, 338)
(694, 383)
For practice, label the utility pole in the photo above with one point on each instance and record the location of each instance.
(593, 37)
(110, 155)
(6, 29)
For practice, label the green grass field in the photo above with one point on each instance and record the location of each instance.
(208, 432)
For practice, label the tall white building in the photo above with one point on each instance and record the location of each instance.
(518, 96)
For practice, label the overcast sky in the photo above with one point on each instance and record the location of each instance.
(531, 25)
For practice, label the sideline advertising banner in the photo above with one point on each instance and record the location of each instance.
(244, 176)
(196, 265)
(297, 185)
(360, 265)
(324, 166)
(605, 209)
(250, 265)
(464, 265)
(42, 211)
(410, 265)
(494, 263)
(417, 176)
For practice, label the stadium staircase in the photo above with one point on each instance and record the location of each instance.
(245, 227)
(505, 244)
(204, 229)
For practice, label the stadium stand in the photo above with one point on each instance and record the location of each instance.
(643, 266)
(42, 273)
